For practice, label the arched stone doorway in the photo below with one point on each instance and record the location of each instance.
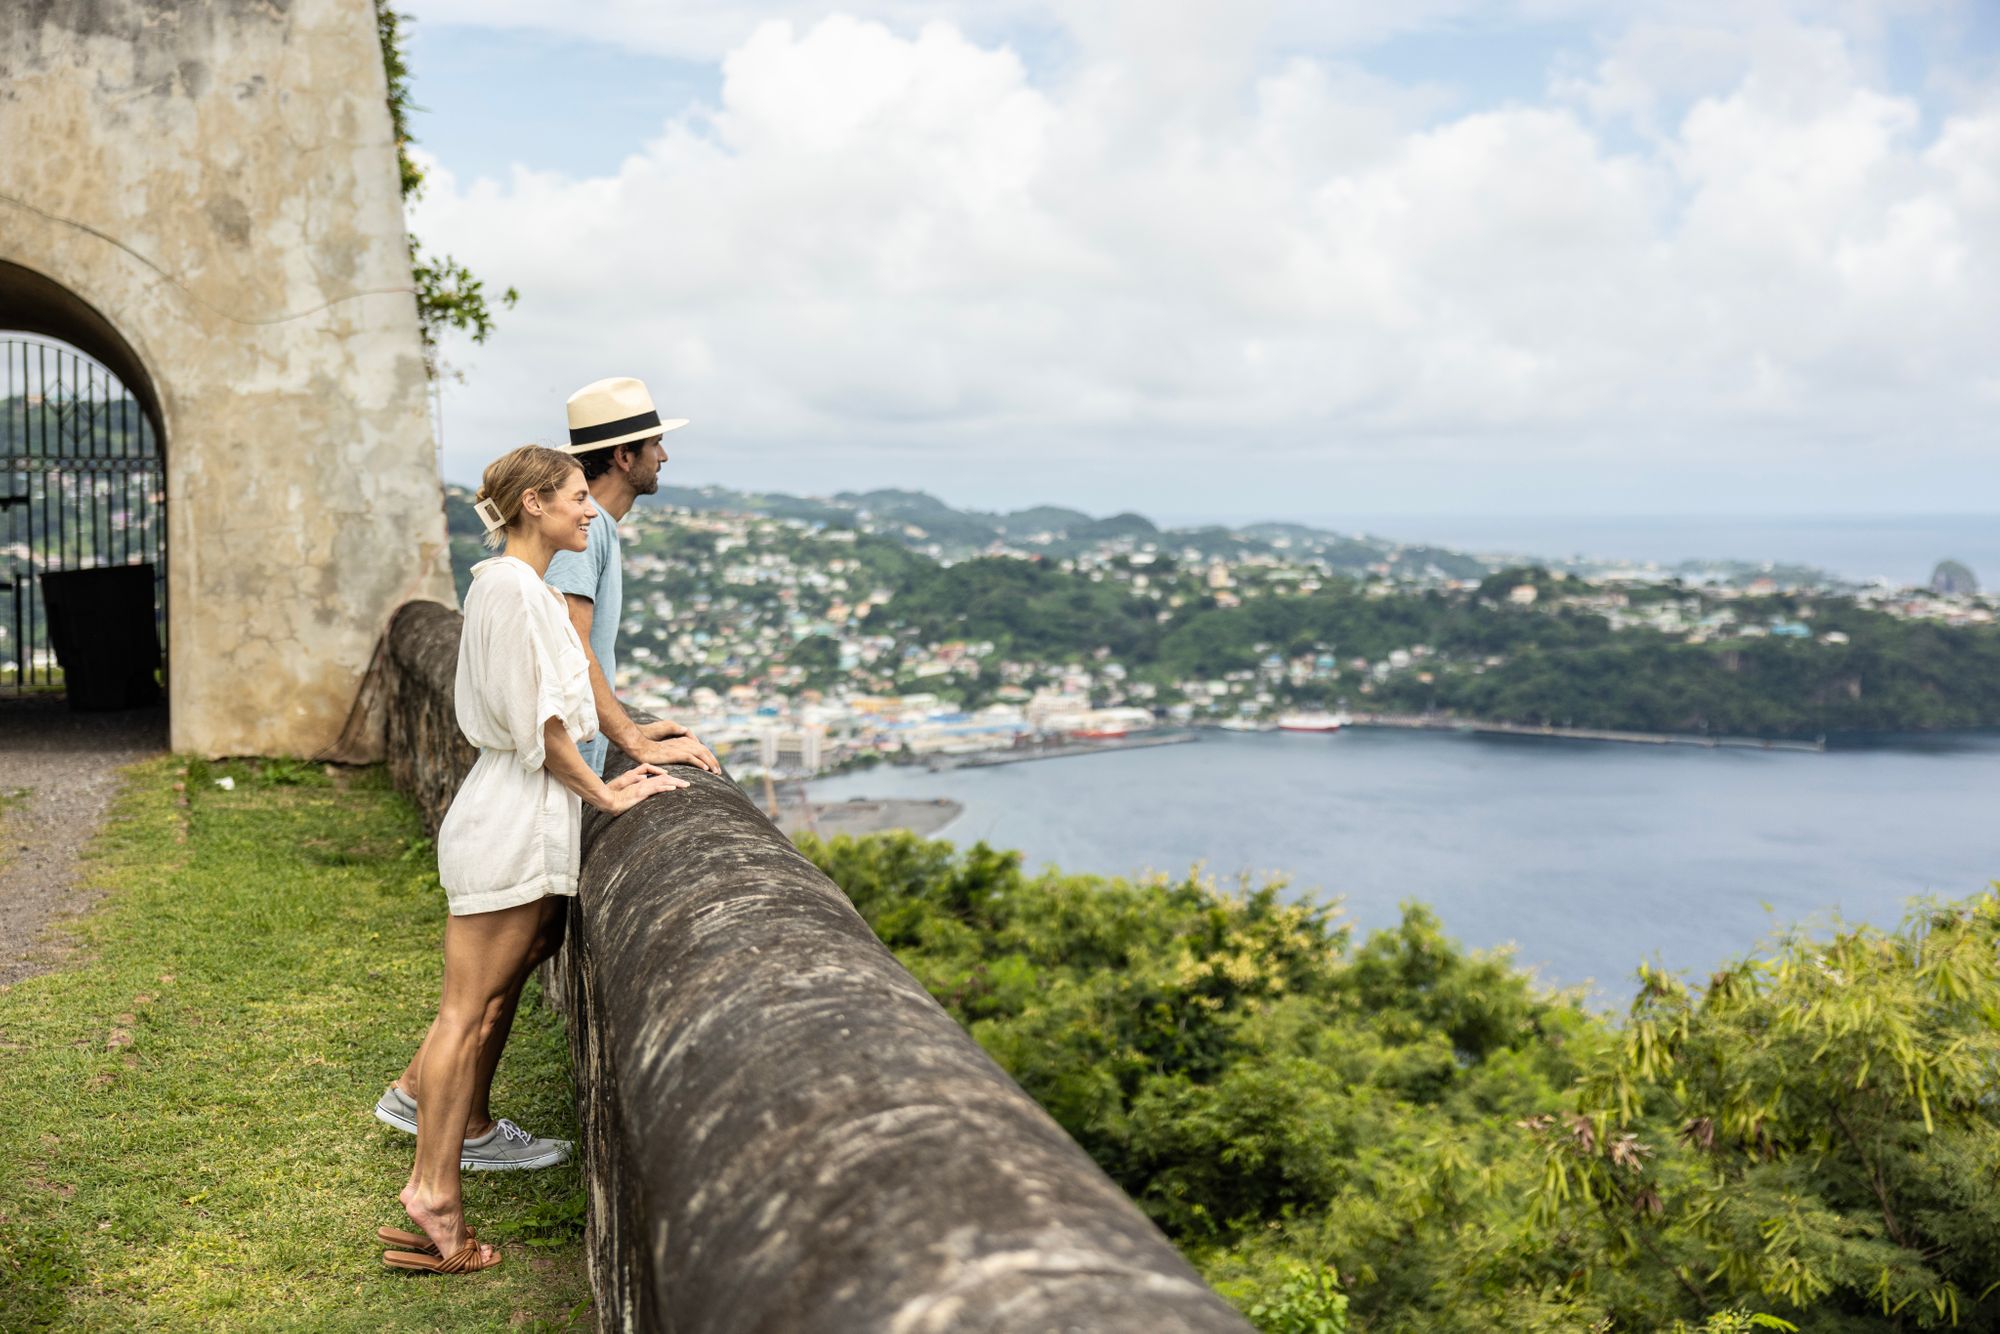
(83, 582)
(205, 202)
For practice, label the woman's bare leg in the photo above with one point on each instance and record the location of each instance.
(549, 939)
(483, 954)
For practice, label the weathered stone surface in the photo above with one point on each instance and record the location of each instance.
(205, 197)
(782, 1130)
(418, 662)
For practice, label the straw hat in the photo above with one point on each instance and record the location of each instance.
(613, 412)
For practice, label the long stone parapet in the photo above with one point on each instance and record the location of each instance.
(782, 1129)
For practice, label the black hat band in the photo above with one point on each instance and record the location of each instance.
(590, 435)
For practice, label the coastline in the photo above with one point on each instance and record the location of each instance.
(1424, 723)
(927, 816)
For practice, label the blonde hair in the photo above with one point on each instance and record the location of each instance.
(529, 468)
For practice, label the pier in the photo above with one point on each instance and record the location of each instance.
(1431, 723)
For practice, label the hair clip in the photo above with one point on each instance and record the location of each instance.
(489, 514)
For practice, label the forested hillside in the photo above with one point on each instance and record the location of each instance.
(717, 600)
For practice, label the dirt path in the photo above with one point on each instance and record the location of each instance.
(58, 773)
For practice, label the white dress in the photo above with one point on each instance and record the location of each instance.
(513, 833)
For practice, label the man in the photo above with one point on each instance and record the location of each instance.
(615, 434)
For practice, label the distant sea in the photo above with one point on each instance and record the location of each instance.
(1588, 857)
(1903, 548)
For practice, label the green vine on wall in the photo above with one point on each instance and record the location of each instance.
(448, 294)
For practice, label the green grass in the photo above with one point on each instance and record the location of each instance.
(189, 1138)
(11, 676)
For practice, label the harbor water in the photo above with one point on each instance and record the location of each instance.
(1586, 857)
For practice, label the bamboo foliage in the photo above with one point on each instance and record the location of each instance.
(1824, 1114)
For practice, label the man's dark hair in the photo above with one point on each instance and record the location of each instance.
(597, 462)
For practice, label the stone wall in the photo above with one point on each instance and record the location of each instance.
(782, 1130)
(205, 197)
(412, 675)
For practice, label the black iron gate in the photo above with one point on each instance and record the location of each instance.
(82, 488)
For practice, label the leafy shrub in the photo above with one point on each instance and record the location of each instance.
(1426, 1135)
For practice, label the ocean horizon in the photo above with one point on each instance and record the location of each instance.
(1903, 548)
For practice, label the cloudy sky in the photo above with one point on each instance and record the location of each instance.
(1260, 258)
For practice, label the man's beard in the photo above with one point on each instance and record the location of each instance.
(650, 485)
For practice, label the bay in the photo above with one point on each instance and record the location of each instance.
(1587, 858)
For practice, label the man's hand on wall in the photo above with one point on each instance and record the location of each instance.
(662, 730)
(683, 749)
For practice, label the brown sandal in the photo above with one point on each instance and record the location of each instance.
(414, 1241)
(465, 1260)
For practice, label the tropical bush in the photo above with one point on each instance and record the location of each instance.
(1394, 1133)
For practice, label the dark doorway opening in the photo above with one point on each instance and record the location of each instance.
(83, 534)
(83, 525)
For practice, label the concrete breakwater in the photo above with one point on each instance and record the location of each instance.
(1430, 723)
(1056, 750)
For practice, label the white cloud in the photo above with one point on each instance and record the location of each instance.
(894, 255)
(705, 30)
(1185, 41)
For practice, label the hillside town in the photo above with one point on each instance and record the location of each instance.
(797, 647)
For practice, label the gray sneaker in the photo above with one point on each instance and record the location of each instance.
(397, 1108)
(508, 1148)
(505, 1148)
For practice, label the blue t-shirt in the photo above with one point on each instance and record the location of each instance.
(596, 573)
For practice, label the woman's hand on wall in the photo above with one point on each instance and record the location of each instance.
(634, 786)
(621, 794)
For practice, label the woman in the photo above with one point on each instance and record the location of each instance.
(510, 844)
